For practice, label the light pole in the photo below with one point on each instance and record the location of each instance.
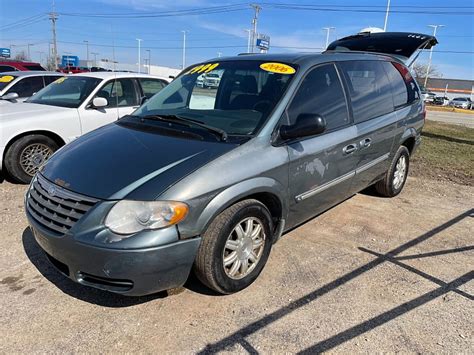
(41, 56)
(139, 49)
(386, 16)
(249, 32)
(95, 54)
(435, 28)
(219, 54)
(184, 48)
(328, 29)
(29, 53)
(87, 49)
(149, 60)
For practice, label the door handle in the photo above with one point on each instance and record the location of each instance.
(365, 143)
(351, 148)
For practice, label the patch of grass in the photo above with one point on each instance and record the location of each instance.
(446, 153)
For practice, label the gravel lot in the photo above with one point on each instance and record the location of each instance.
(370, 275)
(462, 119)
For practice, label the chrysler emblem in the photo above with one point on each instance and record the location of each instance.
(51, 191)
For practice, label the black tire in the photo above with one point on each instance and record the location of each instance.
(385, 187)
(13, 154)
(209, 267)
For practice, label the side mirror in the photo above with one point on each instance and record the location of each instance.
(143, 100)
(10, 96)
(307, 124)
(99, 102)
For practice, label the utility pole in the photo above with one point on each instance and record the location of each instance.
(53, 16)
(257, 9)
(95, 54)
(435, 28)
(149, 60)
(386, 16)
(184, 48)
(328, 29)
(249, 34)
(87, 49)
(139, 50)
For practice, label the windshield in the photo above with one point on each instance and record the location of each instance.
(68, 91)
(238, 101)
(5, 80)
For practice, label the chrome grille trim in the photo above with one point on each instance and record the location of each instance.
(54, 207)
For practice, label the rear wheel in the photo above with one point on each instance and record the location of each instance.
(394, 180)
(235, 247)
(27, 154)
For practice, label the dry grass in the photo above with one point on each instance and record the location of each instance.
(446, 153)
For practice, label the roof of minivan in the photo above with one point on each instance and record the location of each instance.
(299, 58)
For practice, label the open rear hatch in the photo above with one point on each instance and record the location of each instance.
(399, 44)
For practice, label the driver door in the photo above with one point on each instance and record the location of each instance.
(122, 98)
(321, 167)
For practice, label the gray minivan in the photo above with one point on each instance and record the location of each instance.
(209, 179)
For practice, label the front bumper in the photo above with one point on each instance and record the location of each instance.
(132, 272)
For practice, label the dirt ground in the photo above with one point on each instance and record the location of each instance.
(370, 275)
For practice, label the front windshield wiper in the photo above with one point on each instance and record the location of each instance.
(179, 119)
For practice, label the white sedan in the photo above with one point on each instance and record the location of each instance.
(31, 131)
(17, 86)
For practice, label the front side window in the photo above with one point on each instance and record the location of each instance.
(369, 89)
(321, 93)
(119, 93)
(234, 96)
(151, 86)
(28, 86)
(69, 91)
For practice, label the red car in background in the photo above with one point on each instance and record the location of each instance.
(18, 65)
(73, 70)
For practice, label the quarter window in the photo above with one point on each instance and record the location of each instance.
(369, 89)
(321, 93)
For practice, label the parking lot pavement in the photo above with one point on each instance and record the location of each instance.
(370, 275)
(463, 119)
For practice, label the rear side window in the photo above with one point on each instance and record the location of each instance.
(412, 90)
(51, 78)
(151, 86)
(5, 68)
(34, 67)
(321, 93)
(27, 86)
(369, 89)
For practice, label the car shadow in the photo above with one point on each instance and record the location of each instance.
(83, 293)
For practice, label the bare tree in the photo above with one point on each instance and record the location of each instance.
(420, 71)
(20, 56)
(50, 64)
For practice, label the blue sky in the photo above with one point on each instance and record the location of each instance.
(225, 31)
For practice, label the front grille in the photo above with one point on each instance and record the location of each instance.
(54, 207)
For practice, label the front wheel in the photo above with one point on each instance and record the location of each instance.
(235, 247)
(394, 180)
(27, 154)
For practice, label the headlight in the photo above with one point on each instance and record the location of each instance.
(127, 217)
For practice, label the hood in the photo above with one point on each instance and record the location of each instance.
(398, 44)
(116, 162)
(28, 110)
